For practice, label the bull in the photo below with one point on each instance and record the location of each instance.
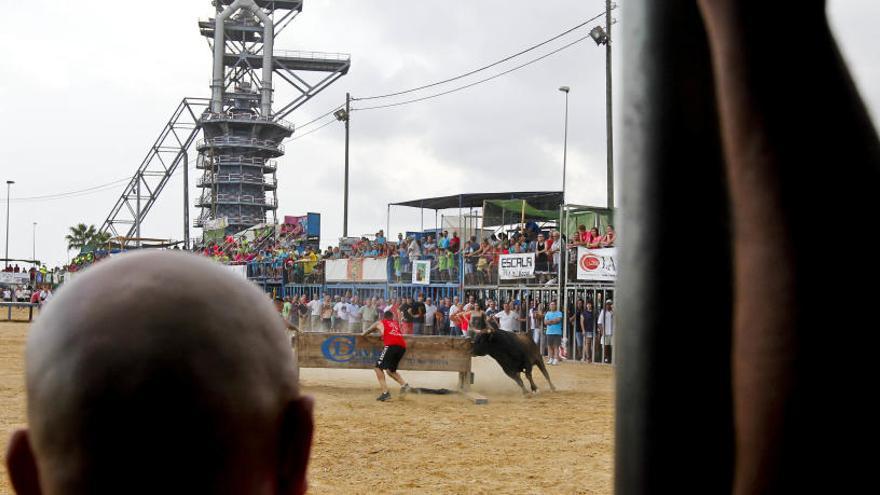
(515, 352)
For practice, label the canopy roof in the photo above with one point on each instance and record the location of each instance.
(542, 200)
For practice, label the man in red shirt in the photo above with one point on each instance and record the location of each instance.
(395, 348)
(455, 243)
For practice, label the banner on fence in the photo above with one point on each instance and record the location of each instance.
(295, 227)
(14, 278)
(240, 270)
(356, 270)
(217, 224)
(513, 266)
(421, 273)
(597, 264)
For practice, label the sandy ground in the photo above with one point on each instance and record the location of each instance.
(552, 443)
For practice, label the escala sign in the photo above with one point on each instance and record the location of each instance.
(513, 266)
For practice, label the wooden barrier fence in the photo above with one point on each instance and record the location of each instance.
(352, 351)
(22, 305)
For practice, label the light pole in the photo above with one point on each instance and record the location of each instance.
(565, 89)
(9, 184)
(34, 252)
(343, 115)
(608, 126)
(603, 37)
(563, 253)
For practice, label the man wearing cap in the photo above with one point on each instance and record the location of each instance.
(605, 324)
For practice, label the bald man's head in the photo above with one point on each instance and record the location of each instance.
(160, 372)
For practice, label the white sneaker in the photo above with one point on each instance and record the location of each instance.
(554, 362)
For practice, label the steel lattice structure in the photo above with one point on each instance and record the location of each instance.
(242, 133)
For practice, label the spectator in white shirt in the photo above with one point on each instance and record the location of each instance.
(314, 314)
(430, 311)
(340, 313)
(508, 320)
(354, 315)
(605, 324)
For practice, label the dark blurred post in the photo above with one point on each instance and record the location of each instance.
(674, 430)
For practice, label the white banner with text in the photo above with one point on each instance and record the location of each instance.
(513, 266)
(597, 264)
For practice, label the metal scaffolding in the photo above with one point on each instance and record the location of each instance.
(243, 135)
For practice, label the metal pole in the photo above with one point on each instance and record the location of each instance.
(185, 200)
(9, 184)
(347, 127)
(460, 254)
(559, 268)
(565, 90)
(608, 114)
(138, 219)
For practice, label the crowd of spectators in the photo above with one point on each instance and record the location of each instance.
(446, 252)
(593, 331)
(38, 286)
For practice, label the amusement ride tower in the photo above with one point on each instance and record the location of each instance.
(242, 131)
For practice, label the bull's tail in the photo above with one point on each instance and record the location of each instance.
(541, 366)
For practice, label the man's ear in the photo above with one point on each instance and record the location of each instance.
(22, 465)
(295, 446)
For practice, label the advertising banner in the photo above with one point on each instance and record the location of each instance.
(296, 227)
(14, 278)
(513, 266)
(597, 264)
(421, 273)
(240, 270)
(356, 270)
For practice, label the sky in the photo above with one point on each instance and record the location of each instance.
(85, 98)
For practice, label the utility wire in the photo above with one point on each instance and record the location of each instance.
(109, 186)
(493, 64)
(317, 118)
(481, 81)
(312, 131)
(70, 193)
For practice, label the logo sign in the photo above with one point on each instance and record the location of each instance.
(597, 264)
(339, 348)
(513, 266)
(590, 263)
(421, 272)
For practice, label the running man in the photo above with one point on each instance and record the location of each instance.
(395, 348)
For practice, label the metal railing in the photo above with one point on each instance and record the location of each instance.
(239, 141)
(232, 160)
(242, 220)
(310, 55)
(244, 117)
(237, 178)
(242, 199)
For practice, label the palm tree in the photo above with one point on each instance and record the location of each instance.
(79, 236)
(100, 239)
